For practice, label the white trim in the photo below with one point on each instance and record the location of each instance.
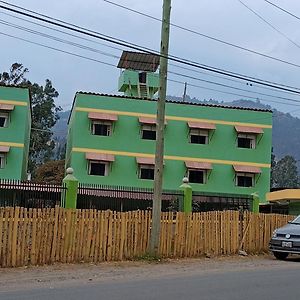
(106, 167)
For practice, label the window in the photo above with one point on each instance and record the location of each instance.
(246, 141)
(3, 119)
(101, 128)
(2, 160)
(146, 172)
(245, 179)
(98, 168)
(197, 176)
(198, 136)
(148, 132)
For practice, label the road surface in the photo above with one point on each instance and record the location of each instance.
(211, 279)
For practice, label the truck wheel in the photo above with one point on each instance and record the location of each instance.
(281, 255)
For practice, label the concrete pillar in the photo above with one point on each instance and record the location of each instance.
(255, 202)
(187, 196)
(69, 198)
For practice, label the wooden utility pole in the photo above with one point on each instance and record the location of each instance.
(160, 125)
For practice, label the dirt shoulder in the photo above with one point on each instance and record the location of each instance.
(60, 275)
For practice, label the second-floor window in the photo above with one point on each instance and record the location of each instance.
(198, 136)
(148, 132)
(4, 119)
(103, 128)
(246, 141)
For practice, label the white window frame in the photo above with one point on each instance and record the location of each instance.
(149, 128)
(145, 166)
(200, 170)
(2, 160)
(106, 163)
(202, 132)
(238, 174)
(251, 137)
(6, 116)
(97, 122)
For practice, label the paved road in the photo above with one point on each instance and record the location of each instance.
(261, 282)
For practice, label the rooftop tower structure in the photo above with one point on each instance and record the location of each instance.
(138, 76)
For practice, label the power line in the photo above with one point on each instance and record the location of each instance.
(234, 94)
(268, 23)
(197, 32)
(56, 49)
(106, 54)
(231, 87)
(282, 9)
(121, 49)
(171, 80)
(147, 50)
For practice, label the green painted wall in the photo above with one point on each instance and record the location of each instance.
(126, 137)
(17, 131)
(129, 81)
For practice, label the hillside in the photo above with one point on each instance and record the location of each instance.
(286, 128)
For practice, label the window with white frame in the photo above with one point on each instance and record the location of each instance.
(148, 132)
(199, 136)
(245, 179)
(197, 176)
(246, 141)
(98, 168)
(146, 172)
(103, 128)
(2, 160)
(4, 119)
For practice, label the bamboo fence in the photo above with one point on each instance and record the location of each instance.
(50, 235)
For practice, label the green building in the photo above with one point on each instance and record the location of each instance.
(15, 126)
(111, 138)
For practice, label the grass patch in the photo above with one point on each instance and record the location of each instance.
(149, 258)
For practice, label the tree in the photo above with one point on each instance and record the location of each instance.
(44, 113)
(50, 172)
(285, 173)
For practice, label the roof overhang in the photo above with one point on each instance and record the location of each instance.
(246, 169)
(4, 149)
(6, 107)
(102, 117)
(248, 129)
(198, 165)
(200, 125)
(99, 157)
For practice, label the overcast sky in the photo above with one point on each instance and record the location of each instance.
(228, 20)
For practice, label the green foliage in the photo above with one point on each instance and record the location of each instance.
(285, 173)
(44, 114)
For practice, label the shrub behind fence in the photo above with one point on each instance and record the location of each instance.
(45, 236)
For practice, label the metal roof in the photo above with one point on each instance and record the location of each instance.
(139, 61)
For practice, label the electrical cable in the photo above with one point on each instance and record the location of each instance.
(265, 21)
(136, 47)
(282, 9)
(106, 54)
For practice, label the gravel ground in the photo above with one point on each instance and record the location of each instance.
(62, 275)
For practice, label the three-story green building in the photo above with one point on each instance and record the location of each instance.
(111, 138)
(15, 126)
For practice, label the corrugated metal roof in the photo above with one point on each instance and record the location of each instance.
(99, 156)
(176, 102)
(139, 61)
